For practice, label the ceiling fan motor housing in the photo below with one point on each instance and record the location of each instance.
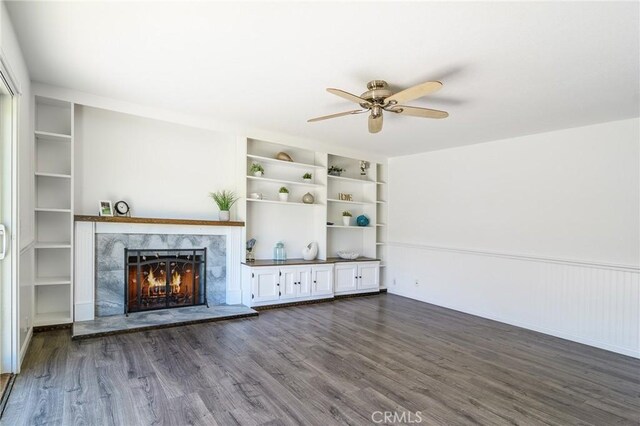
(377, 93)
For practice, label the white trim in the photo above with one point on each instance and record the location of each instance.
(9, 75)
(520, 256)
(27, 343)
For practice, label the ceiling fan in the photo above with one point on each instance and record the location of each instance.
(378, 98)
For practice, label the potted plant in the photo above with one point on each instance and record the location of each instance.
(306, 177)
(283, 194)
(224, 200)
(256, 169)
(346, 217)
(335, 171)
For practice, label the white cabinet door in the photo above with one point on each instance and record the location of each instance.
(322, 280)
(289, 283)
(368, 276)
(264, 284)
(346, 277)
(304, 282)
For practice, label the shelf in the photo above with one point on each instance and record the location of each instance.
(333, 200)
(44, 209)
(59, 245)
(282, 181)
(350, 226)
(53, 175)
(52, 281)
(381, 183)
(283, 163)
(381, 224)
(52, 318)
(381, 202)
(293, 203)
(53, 137)
(381, 244)
(348, 179)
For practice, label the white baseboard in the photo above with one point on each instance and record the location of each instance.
(24, 348)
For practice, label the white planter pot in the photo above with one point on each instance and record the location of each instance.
(224, 215)
(257, 174)
(306, 180)
(283, 196)
(346, 220)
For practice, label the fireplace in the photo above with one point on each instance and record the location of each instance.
(161, 279)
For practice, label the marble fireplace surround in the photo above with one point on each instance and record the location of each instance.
(99, 250)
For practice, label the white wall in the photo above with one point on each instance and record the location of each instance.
(161, 169)
(540, 231)
(11, 53)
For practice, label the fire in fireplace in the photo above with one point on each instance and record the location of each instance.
(160, 279)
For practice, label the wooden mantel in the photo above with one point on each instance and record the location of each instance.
(155, 221)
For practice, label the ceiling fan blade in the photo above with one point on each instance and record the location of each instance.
(419, 112)
(414, 92)
(375, 123)
(340, 114)
(348, 96)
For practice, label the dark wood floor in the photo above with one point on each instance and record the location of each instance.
(332, 363)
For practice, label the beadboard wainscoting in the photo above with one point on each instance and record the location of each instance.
(587, 302)
(85, 257)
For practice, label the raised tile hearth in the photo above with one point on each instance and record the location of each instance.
(139, 321)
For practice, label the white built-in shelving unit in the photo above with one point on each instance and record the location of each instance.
(362, 188)
(53, 294)
(295, 223)
(270, 220)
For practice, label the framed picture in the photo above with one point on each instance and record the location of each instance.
(106, 209)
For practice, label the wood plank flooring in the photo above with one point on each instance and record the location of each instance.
(331, 363)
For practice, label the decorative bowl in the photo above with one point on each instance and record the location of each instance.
(283, 156)
(348, 255)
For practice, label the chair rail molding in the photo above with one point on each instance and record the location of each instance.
(521, 256)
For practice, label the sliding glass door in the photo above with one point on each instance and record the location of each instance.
(8, 217)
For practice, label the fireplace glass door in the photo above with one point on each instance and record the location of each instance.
(160, 279)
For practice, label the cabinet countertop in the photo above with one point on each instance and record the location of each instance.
(298, 262)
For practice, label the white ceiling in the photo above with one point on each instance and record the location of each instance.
(508, 69)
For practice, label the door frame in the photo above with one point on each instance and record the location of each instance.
(9, 306)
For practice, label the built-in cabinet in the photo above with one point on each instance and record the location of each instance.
(357, 277)
(53, 260)
(295, 282)
(270, 285)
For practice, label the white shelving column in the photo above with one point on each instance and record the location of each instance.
(381, 231)
(293, 222)
(53, 263)
(362, 188)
